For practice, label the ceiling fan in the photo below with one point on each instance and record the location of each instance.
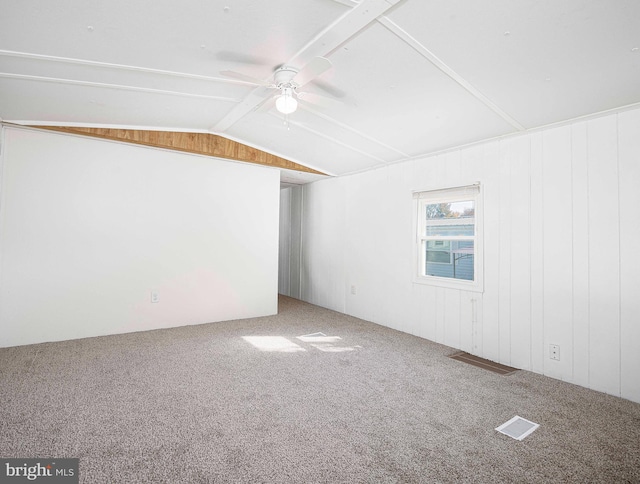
(287, 81)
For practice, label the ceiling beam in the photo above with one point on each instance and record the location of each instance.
(197, 143)
(322, 45)
(343, 29)
(435, 60)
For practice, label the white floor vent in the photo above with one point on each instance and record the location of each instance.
(517, 428)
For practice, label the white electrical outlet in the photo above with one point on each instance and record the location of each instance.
(353, 290)
(554, 352)
(155, 296)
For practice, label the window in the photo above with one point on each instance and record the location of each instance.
(438, 252)
(448, 245)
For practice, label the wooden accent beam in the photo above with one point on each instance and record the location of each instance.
(198, 143)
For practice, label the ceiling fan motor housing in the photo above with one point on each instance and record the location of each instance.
(283, 77)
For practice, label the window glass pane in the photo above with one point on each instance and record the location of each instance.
(463, 209)
(438, 251)
(459, 259)
(452, 218)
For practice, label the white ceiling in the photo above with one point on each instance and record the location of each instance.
(412, 76)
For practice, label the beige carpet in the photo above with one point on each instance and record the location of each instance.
(251, 401)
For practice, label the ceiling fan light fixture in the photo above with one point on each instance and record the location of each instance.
(286, 103)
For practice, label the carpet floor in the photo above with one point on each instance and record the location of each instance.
(306, 396)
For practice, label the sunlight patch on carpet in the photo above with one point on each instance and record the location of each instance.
(273, 343)
(318, 341)
(328, 344)
(319, 338)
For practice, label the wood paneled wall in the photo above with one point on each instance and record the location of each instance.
(198, 143)
(561, 258)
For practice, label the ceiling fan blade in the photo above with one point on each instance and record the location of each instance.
(243, 77)
(313, 69)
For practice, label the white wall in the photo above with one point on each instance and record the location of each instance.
(89, 228)
(561, 262)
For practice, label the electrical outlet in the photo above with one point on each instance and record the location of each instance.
(155, 296)
(554, 352)
(353, 290)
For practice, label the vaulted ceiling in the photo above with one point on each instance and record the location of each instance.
(407, 77)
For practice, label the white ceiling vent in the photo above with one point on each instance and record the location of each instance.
(517, 428)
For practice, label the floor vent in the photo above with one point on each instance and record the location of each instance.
(482, 363)
(517, 428)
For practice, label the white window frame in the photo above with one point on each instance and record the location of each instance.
(446, 195)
